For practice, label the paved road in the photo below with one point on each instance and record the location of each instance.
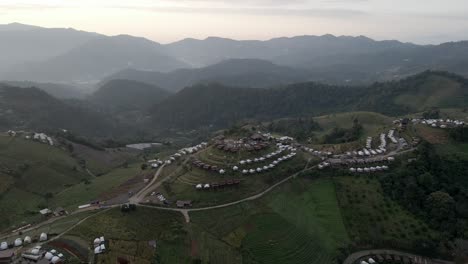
(135, 199)
(351, 259)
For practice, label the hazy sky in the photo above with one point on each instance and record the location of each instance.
(420, 21)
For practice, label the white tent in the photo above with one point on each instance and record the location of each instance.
(18, 242)
(97, 250)
(27, 240)
(43, 237)
(3, 246)
(49, 256)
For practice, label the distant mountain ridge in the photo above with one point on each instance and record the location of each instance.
(235, 72)
(82, 58)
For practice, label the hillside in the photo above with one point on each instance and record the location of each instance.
(235, 72)
(126, 95)
(217, 105)
(31, 108)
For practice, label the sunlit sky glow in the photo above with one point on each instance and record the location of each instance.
(420, 21)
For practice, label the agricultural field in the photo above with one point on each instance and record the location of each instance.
(372, 218)
(277, 229)
(129, 234)
(84, 192)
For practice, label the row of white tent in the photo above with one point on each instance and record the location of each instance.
(441, 122)
(271, 165)
(155, 163)
(369, 261)
(370, 169)
(19, 241)
(370, 152)
(369, 142)
(391, 136)
(383, 141)
(262, 158)
(317, 152)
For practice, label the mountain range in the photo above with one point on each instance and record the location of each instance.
(83, 58)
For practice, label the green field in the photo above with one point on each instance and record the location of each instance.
(373, 123)
(83, 193)
(371, 217)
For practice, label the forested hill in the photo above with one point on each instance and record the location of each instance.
(218, 105)
(126, 95)
(31, 108)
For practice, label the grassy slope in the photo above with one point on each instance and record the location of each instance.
(30, 170)
(83, 193)
(372, 122)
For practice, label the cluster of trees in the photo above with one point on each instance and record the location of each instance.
(343, 135)
(434, 187)
(299, 128)
(459, 134)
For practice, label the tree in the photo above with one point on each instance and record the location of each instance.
(441, 208)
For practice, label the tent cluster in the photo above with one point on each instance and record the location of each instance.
(54, 256)
(369, 169)
(43, 138)
(35, 254)
(216, 185)
(441, 123)
(99, 245)
(324, 165)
